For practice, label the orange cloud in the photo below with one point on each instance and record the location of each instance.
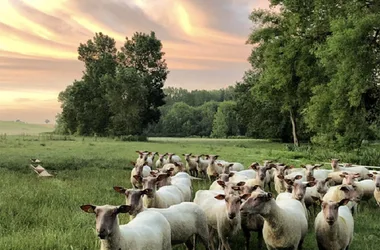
(204, 42)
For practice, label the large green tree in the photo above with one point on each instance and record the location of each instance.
(119, 92)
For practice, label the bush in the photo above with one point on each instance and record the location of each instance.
(133, 138)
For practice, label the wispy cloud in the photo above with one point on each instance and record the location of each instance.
(204, 42)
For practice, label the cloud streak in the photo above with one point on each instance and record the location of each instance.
(204, 42)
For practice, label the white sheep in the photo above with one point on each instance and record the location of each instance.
(279, 175)
(202, 165)
(340, 192)
(161, 160)
(358, 169)
(334, 226)
(138, 172)
(318, 190)
(172, 157)
(285, 225)
(142, 158)
(213, 170)
(314, 171)
(149, 230)
(234, 166)
(176, 166)
(163, 197)
(262, 174)
(191, 164)
(186, 219)
(150, 158)
(376, 192)
(223, 214)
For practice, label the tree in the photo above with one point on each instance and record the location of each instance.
(143, 52)
(180, 120)
(225, 120)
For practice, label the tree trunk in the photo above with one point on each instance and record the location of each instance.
(294, 129)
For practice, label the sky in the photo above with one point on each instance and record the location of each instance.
(204, 42)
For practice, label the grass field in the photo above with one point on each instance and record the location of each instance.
(18, 128)
(45, 214)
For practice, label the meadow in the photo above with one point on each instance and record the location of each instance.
(44, 213)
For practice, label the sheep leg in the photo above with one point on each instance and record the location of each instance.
(300, 245)
(189, 245)
(260, 239)
(224, 243)
(204, 240)
(211, 238)
(247, 236)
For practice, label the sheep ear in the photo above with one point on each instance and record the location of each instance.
(220, 197)
(137, 177)
(230, 165)
(311, 184)
(271, 165)
(231, 174)
(88, 208)
(176, 164)
(344, 189)
(241, 183)
(119, 189)
(289, 182)
(133, 163)
(236, 188)
(254, 165)
(152, 173)
(221, 183)
(219, 164)
(343, 202)
(161, 177)
(328, 178)
(255, 187)
(144, 191)
(370, 175)
(317, 199)
(302, 166)
(245, 196)
(123, 209)
(281, 177)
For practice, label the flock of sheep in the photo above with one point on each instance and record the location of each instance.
(163, 214)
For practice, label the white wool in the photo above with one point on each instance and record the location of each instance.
(164, 197)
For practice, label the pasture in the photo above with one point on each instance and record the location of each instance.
(45, 214)
(17, 128)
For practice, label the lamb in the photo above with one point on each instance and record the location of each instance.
(149, 230)
(318, 190)
(186, 219)
(142, 158)
(163, 197)
(376, 192)
(40, 171)
(172, 157)
(262, 174)
(202, 165)
(161, 160)
(191, 165)
(334, 226)
(223, 215)
(358, 169)
(285, 225)
(138, 172)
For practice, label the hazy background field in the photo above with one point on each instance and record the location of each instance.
(44, 213)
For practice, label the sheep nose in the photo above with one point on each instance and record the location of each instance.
(102, 234)
(231, 215)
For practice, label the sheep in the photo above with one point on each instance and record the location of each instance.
(213, 169)
(234, 166)
(161, 160)
(228, 187)
(163, 197)
(358, 169)
(336, 177)
(223, 215)
(149, 230)
(142, 158)
(41, 171)
(150, 158)
(202, 165)
(176, 166)
(191, 164)
(318, 190)
(314, 171)
(186, 219)
(279, 174)
(334, 226)
(172, 157)
(262, 174)
(376, 193)
(285, 225)
(138, 172)
(348, 178)
(251, 222)
(338, 193)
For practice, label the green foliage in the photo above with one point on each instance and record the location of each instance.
(120, 91)
(225, 120)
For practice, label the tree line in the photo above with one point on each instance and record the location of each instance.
(315, 76)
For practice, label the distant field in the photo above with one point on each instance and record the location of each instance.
(45, 214)
(18, 128)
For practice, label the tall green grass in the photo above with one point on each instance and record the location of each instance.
(44, 213)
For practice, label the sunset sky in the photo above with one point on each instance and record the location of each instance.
(204, 42)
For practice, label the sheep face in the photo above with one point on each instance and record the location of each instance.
(349, 178)
(299, 189)
(309, 170)
(330, 210)
(376, 179)
(322, 186)
(212, 158)
(187, 157)
(149, 184)
(261, 171)
(106, 217)
(334, 163)
(350, 193)
(233, 203)
(225, 177)
(230, 188)
(282, 170)
(256, 203)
